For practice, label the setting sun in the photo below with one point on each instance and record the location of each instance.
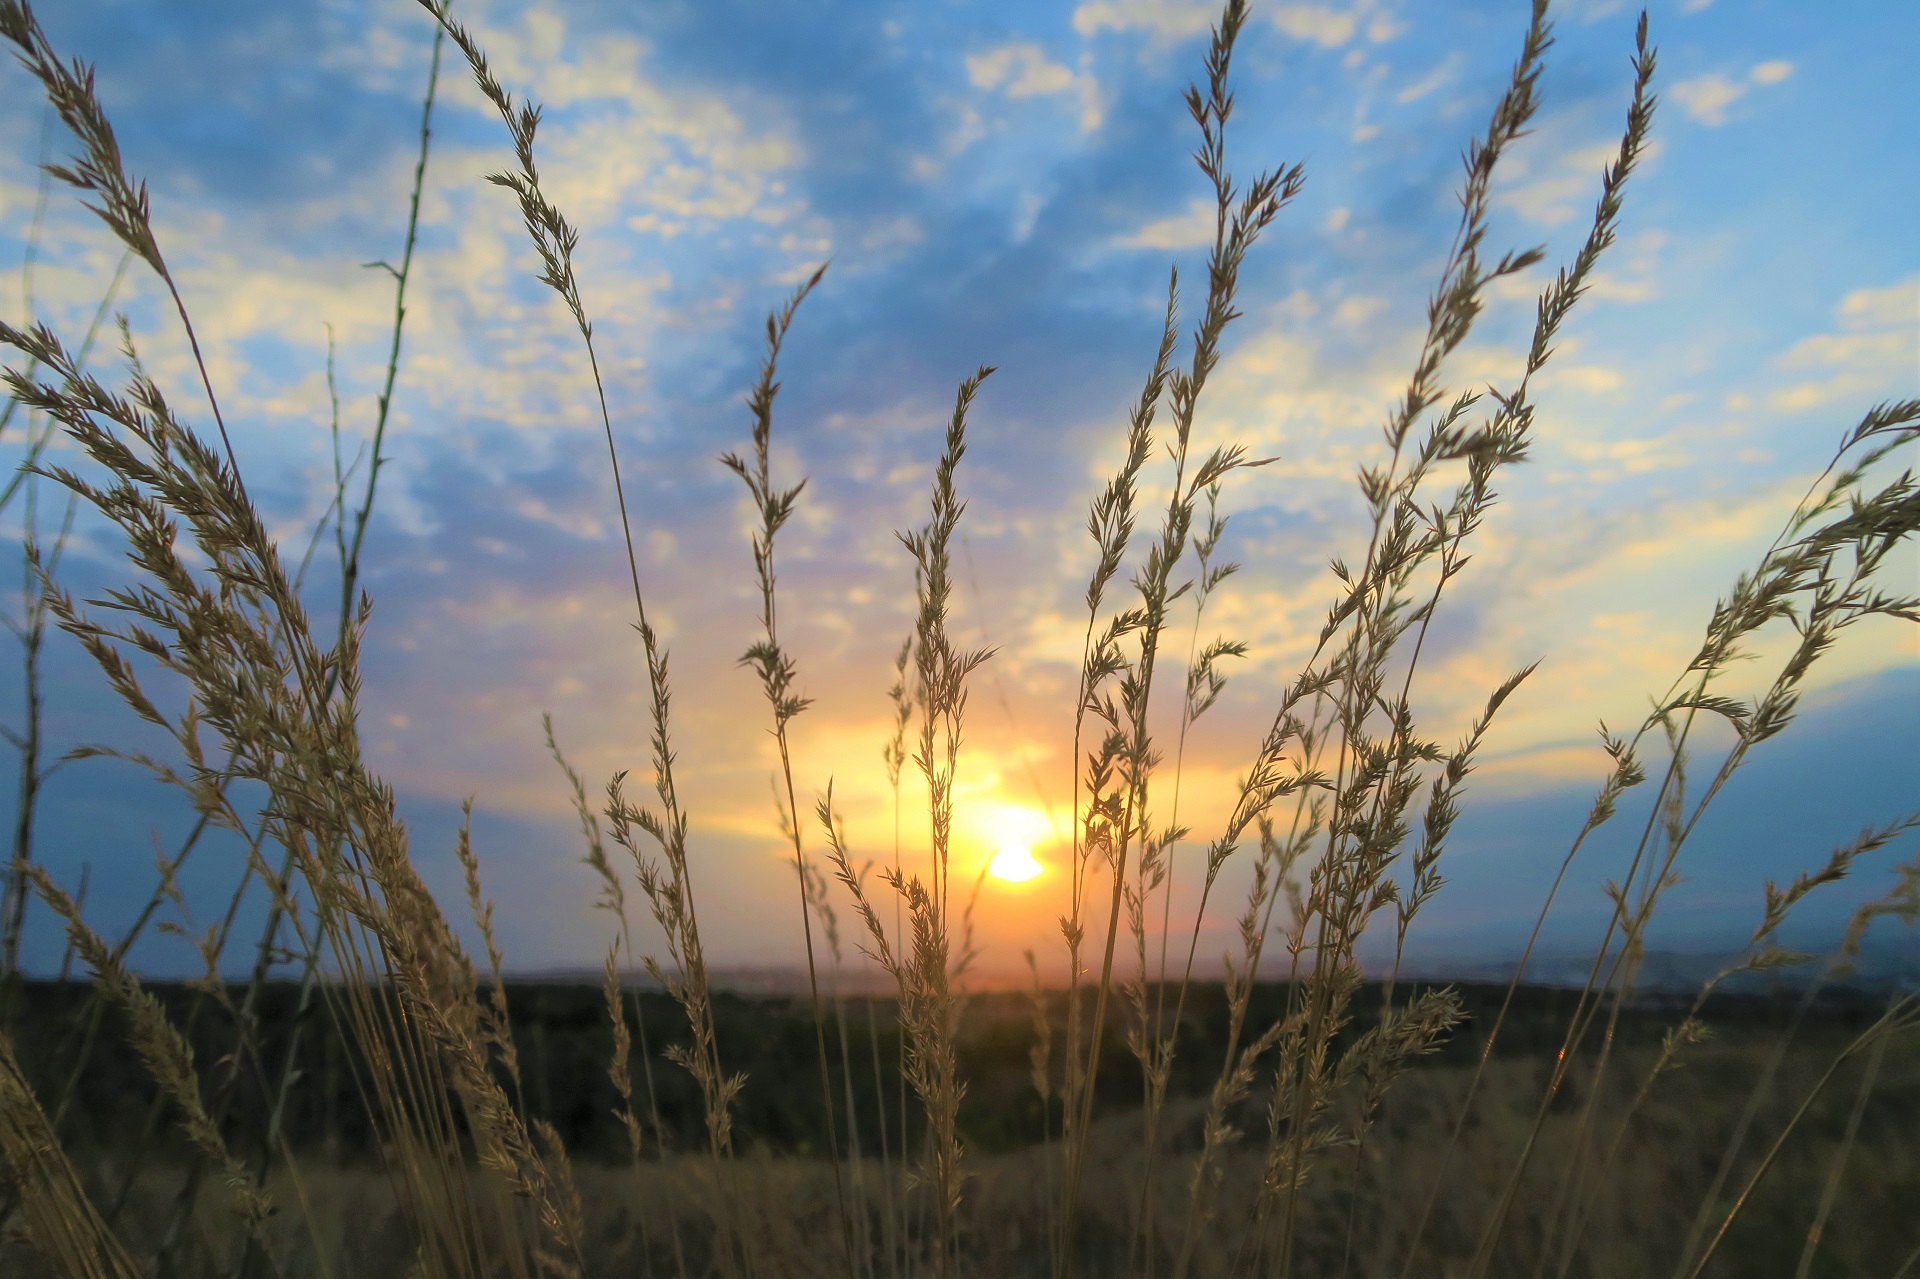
(1010, 833)
(1016, 864)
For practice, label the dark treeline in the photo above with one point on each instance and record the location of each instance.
(80, 1063)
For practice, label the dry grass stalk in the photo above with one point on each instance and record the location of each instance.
(124, 208)
(99, 171)
(1764, 954)
(162, 1049)
(238, 636)
(925, 967)
(1821, 577)
(230, 625)
(613, 899)
(1118, 821)
(1375, 779)
(669, 892)
(669, 889)
(777, 671)
(54, 1210)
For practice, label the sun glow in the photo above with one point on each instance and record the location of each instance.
(1010, 833)
(1015, 863)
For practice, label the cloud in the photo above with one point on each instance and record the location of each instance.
(1022, 70)
(1326, 27)
(1874, 353)
(1358, 312)
(1593, 379)
(1166, 20)
(1437, 78)
(1569, 182)
(1172, 20)
(1190, 229)
(620, 146)
(1707, 98)
(1895, 304)
(1384, 27)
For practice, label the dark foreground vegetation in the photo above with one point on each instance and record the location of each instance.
(111, 1107)
(1732, 1099)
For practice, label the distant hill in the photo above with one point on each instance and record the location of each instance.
(1882, 965)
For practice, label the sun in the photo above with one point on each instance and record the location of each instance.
(1015, 863)
(1011, 832)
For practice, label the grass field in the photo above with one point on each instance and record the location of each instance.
(1635, 1218)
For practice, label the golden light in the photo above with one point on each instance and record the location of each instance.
(1015, 863)
(1011, 832)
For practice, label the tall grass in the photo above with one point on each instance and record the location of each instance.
(1345, 811)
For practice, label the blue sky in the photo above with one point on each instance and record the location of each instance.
(998, 183)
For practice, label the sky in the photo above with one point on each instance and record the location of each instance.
(1008, 184)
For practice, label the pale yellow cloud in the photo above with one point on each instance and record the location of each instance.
(1317, 23)
(1876, 351)
(1553, 185)
(629, 149)
(1169, 20)
(1593, 379)
(1707, 98)
(1164, 19)
(1191, 228)
(1383, 27)
(1896, 304)
(1023, 70)
(1358, 312)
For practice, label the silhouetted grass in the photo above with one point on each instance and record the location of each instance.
(394, 1111)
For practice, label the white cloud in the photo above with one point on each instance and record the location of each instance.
(1895, 304)
(1170, 20)
(1617, 288)
(620, 146)
(1383, 28)
(1357, 312)
(1326, 27)
(1706, 98)
(1434, 79)
(1023, 70)
(1593, 379)
(1874, 354)
(1165, 19)
(1190, 229)
(1632, 270)
(1569, 186)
